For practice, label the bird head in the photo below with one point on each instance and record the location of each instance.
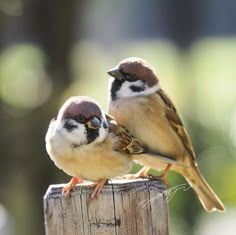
(81, 121)
(133, 77)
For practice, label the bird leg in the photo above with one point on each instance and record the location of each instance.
(97, 189)
(141, 174)
(165, 172)
(163, 176)
(68, 187)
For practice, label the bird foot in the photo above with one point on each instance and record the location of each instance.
(158, 177)
(98, 187)
(97, 190)
(68, 187)
(141, 174)
(161, 177)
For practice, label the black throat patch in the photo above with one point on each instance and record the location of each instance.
(92, 134)
(116, 85)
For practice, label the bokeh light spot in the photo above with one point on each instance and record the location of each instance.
(23, 79)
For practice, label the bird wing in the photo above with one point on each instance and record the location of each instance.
(126, 142)
(176, 123)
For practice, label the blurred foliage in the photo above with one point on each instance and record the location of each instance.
(213, 66)
(23, 80)
(13, 7)
(213, 225)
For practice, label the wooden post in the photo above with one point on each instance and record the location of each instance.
(123, 208)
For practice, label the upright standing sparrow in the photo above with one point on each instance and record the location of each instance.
(137, 101)
(89, 145)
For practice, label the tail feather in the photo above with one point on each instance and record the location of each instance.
(206, 195)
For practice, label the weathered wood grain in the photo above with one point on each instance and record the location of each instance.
(122, 208)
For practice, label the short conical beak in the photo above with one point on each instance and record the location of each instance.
(115, 72)
(94, 123)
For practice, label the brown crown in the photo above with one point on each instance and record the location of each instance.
(80, 105)
(140, 68)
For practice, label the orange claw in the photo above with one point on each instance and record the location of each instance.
(97, 189)
(141, 174)
(68, 187)
(163, 176)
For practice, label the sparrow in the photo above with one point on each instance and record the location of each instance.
(137, 101)
(88, 144)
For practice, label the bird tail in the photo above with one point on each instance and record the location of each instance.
(206, 195)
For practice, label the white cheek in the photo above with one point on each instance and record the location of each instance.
(76, 136)
(125, 90)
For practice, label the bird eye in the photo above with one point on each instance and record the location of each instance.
(80, 118)
(130, 77)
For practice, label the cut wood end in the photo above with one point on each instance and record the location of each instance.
(116, 185)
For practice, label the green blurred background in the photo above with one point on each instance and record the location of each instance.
(51, 50)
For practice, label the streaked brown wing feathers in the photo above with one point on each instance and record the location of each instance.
(176, 123)
(126, 142)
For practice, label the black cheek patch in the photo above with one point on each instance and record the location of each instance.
(137, 88)
(92, 134)
(69, 126)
